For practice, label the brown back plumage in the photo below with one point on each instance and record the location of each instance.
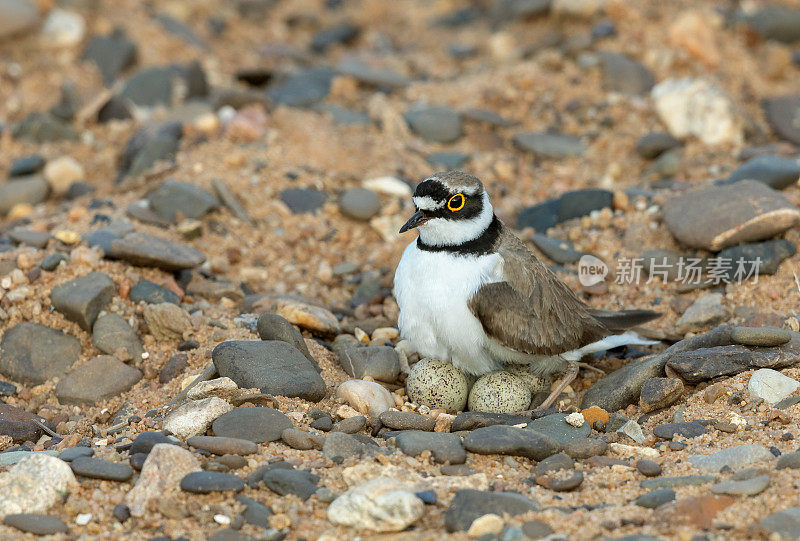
(535, 312)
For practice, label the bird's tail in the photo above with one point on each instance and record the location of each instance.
(629, 338)
(624, 319)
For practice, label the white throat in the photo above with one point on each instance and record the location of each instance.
(444, 232)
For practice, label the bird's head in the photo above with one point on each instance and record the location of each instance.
(452, 208)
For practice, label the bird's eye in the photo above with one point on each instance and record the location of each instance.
(456, 202)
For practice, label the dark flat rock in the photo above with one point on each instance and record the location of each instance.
(509, 440)
(173, 198)
(717, 217)
(274, 327)
(101, 469)
(151, 251)
(468, 504)
(99, 379)
(152, 293)
(32, 353)
(222, 446)
(557, 429)
(274, 366)
(22, 425)
(111, 332)
(774, 171)
(206, 482)
(550, 144)
(445, 446)
(259, 424)
(37, 524)
(470, 420)
(406, 420)
(655, 498)
(82, 299)
(377, 362)
(302, 484)
(671, 482)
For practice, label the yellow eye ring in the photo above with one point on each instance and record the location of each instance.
(456, 206)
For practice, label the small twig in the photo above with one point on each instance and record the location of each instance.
(592, 368)
(43, 427)
(796, 281)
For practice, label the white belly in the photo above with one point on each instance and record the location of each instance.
(432, 290)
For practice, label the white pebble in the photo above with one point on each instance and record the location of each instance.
(83, 519)
(575, 419)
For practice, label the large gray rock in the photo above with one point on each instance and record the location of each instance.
(273, 366)
(32, 353)
(151, 251)
(720, 216)
(82, 299)
(99, 379)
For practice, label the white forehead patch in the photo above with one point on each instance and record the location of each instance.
(426, 202)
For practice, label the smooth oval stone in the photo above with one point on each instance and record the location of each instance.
(657, 497)
(691, 429)
(101, 469)
(648, 468)
(71, 453)
(556, 428)
(205, 482)
(444, 446)
(259, 424)
(145, 441)
(553, 463)
(36, 523)
(746, 487)
(760, 336)
(222, 445)
(406, 420)
(567, 484)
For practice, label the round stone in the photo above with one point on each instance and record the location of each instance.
(500, 392)
(359, 204)
(437, 385)
(648, 468)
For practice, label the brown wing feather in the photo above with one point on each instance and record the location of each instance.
(533, 311)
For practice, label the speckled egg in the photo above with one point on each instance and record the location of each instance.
(437, 385)
(523, 371)
(500, 392)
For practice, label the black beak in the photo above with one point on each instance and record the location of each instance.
(415, 221)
